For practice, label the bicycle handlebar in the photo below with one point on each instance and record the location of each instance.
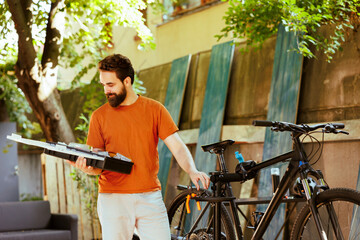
(241, 176)
(304, 128)
(263, 123)
(227, 177)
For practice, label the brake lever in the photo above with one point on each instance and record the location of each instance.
(334, 131)
(344, 132)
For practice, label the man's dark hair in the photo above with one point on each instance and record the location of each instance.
(119, 64)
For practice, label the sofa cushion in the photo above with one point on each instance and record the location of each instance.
(43, 234)
(24, 215)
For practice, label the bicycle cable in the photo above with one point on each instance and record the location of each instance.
(313, 140)
(312, 145)
(321, 146)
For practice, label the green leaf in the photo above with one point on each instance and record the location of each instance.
(256, 20)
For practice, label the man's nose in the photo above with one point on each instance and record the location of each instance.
(107, 90)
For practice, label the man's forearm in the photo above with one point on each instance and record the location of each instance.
(181, 153)
(185, 160)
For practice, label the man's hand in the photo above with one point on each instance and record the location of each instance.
(81, 165)
(203, 177)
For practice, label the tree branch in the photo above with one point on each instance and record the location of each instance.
(25, 4)
(22, 19)
(54, 30)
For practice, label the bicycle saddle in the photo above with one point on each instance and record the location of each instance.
(219, 146)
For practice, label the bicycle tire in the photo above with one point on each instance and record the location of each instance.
(178, 205)
(346, 205)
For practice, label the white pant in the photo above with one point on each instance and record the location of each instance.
(120, 214)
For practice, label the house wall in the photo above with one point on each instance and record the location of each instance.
(330, 91)
(188, 34)
(30, 177)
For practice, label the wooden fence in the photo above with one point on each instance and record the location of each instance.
(62, 191)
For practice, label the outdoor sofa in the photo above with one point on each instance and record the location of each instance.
(33, 220)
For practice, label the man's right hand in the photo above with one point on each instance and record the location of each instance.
(80, 164)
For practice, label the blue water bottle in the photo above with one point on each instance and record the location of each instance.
(239, 157)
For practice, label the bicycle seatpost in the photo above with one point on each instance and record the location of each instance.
(221, 159)
(217, 193)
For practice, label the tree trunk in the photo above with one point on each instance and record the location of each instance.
(3, 112)
(38, 80)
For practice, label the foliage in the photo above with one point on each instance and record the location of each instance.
(87, 39)
(180, 2)
(92, 38)
(88, 185)
(8, 37)
(257, 20)
(15, 101)
(93, 100)
(29, 197)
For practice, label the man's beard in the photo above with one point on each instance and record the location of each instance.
(116, 99)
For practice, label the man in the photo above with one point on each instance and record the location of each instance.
(131, 125)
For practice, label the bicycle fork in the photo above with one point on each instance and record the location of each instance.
(311, 200)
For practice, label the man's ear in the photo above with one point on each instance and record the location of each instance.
(127, 81)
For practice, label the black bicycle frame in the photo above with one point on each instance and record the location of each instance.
(293, 168)
(274, 203)
(290, 173)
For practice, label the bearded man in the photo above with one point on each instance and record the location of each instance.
(131, 125)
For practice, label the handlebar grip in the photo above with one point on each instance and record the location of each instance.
(263, 123)
(338, 125)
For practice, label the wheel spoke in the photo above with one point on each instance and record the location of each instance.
(182, 227)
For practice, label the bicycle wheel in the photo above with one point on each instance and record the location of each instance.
(344, 202)
(180, 221)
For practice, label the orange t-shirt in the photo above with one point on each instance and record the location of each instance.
(134, 132)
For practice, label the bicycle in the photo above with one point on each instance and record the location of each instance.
(327, 213)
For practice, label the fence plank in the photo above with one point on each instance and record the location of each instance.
(214, 103)
(51, 183)
(283, 103)
(213, 107)
(64, 196)
(61, 185)
(173, 103)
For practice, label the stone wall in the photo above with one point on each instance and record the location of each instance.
(329, 92)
